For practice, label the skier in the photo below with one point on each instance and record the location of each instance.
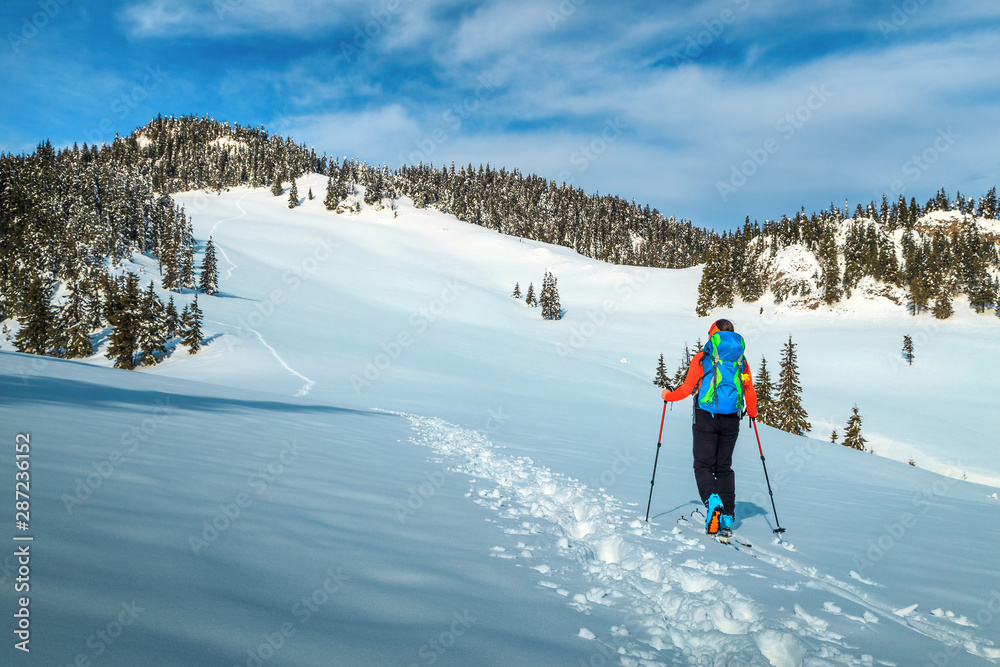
(719, 378)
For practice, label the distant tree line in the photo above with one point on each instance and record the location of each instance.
(603, 227)
(69, 218)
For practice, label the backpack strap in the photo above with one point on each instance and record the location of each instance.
(741, 401)
(714, 371)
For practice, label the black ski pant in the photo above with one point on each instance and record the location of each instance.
(714, 441)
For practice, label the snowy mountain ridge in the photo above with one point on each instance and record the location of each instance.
(796, 274)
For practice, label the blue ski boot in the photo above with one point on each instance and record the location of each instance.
(725, 527)
(714, 514)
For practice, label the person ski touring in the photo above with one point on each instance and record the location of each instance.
(719, 379)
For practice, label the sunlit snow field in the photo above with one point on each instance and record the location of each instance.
(382, 458)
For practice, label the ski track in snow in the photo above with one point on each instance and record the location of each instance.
(953, 638)
(309, 384)
(683, 610)
(232, 264)
(876, 610)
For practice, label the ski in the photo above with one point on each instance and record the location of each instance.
(733, 540)
(732, 536)
(697, 528)
(741, 542)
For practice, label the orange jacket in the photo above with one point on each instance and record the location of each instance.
(693, 379)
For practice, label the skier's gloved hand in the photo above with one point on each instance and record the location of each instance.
(752, 412)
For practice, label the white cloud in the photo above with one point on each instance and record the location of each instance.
(498, 28)
(687, 126)
(374, 135)
(844, 125)
(220, 18)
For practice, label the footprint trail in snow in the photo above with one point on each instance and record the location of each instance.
(679, 612)
(676, 609)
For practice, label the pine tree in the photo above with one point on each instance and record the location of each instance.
(834, 436)
(682, 370)
(37, 322)
(555, 304)
(276, 188)
(209, 272)
(943, 308)
(373, 190)
(790, 416)
(988, 205)
(830, 281)
(908, 349)
(529, 298)
(151, 339)
(93, 305)
(724, 274)
(185, 320)
(982, 293)
(311, 193)
(765, 394)
(543, 296)
(517, 291)
(191, 326)
(126, 318)
(187, 269)
(716, 285)
(73, 337)
(293, 195)
(660, 379)
(919, 295)
(549, 301)
(113, 288)
(336, 192)
(852, 434)
(331, 200)
(171, 320)
(171, 279)
(706, 292)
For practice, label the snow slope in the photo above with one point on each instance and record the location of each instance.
(353, 285)
(508, 479)
(228, 520)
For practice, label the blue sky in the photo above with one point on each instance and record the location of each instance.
(709, 111)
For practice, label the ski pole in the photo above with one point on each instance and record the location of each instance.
(656, 460)
(779, 529)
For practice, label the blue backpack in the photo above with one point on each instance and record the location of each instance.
(721, 388)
